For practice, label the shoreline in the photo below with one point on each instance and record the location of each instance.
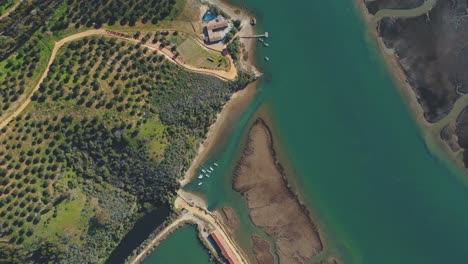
(392, 64)
(430, 131)
(225, 118)
(239, 99)
(259, 157)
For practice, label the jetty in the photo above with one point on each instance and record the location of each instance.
(264, 35)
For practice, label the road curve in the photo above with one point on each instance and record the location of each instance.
(10, 10)
(225, 76)
(57, 46)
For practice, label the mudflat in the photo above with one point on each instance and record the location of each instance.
(259, 177)
(261, 249)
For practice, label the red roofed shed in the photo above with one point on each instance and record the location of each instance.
(225, 250)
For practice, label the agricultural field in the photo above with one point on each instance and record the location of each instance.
(110, 130)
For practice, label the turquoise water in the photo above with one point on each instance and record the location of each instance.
(182, 246)
(359, 159)
(208, 16)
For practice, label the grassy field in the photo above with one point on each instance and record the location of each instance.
(185, 46)
(192, 53)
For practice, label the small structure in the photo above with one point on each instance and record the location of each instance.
(253, 21)
(225, 250)
(216, 29)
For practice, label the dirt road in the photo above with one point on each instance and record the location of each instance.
(226, 76)
(11, 10)
(191, 214)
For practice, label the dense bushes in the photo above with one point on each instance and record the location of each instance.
(85, 130)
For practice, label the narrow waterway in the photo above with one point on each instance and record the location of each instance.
(358, 157)
(182, 246)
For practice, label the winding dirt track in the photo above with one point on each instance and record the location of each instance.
(10, 10)
(226, 76)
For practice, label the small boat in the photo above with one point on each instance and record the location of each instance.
(253, 21)
(211, 168)
(267, 59)
(200, 177)
(260, 39)
(216, 164)
(207, 176)
(203, 170)
(266, 44)
(200, 183)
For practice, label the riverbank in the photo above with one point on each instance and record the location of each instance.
(393, 65)
(438, 139)
(238, 101)
(273, 206)
(224, 122)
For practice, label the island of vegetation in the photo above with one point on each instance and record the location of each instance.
(103, 107)
(273, 206)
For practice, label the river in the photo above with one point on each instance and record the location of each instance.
(182, 246)
(353, 147)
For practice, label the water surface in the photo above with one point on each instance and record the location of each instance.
(358, 157)
(182, 246)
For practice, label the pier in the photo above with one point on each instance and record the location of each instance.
(265, 35)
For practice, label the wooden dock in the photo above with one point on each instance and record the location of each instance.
(265, 35)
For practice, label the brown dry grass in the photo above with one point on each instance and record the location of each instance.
(273, 206)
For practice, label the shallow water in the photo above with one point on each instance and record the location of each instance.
(182, 246)
(359, 159)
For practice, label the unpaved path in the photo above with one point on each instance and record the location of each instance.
(226, 76)
(161, 236)
(57, 46)
(11, 9)
(194, 214)
(207, 216)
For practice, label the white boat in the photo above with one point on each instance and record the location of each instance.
(266, 44)
(200, 183)
(203, 170)
(216, 164)
(200, 177)
(211, 168)
(207, 176)
(267, 59)
(260, 39)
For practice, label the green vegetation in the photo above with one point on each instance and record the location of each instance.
(110, 130)
(5, 5)
(108, 133)
(234, 48)
(185, 47)
(192, 53)
(76, 14)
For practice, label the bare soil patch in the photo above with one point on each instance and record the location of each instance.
(260, 178)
